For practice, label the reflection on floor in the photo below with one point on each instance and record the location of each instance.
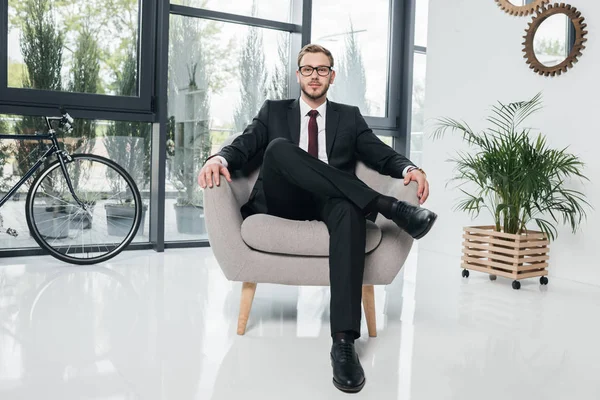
(162, 326)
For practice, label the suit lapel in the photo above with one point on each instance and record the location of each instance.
(293, 116)
(331, 125)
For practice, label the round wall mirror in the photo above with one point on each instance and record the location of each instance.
(521, 7)
(554, 39)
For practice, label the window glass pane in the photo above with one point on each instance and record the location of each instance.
(127, 143)
(421, 15)
(389, 140)
(418, 104)
(74, 46)
(278, 10)
(357, 34)
(219, 76)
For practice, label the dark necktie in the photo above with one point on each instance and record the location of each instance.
(313, 141)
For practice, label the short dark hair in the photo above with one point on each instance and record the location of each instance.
(315, 48)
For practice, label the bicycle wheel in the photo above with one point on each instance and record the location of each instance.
(95, 232)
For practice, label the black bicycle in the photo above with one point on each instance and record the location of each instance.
(81, 208)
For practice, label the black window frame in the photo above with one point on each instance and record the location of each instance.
(87, 105)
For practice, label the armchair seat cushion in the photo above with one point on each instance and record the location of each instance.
(272, 234)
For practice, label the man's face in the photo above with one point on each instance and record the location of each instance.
(315, 86)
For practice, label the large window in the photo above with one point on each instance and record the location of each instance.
(73, 45)
(75, 53)
(419, 75)
(421, 15)
(158, 86)
(220, 74)
(371, 52)
(127, 143)
(358, 35)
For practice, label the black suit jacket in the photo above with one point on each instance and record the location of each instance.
(348, 139)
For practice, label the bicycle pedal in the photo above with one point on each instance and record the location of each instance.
(12, 232)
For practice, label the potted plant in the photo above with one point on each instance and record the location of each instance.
(56, 212)
(120, 215)
(519, 180)
(189, 211)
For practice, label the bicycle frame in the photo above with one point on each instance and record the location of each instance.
(54, 149)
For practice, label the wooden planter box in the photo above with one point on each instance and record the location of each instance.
(504, 254)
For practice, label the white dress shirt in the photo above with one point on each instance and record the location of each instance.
(303, 143)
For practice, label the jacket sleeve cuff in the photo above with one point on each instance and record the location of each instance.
(221, 159)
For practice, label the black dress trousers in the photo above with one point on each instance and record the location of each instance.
(299, 186)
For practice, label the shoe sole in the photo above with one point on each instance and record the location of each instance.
(426, 231)
(349, 389)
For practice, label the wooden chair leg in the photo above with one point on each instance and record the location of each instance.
(368, 298)
(248, 290)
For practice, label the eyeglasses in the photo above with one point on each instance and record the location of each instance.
(307, 70)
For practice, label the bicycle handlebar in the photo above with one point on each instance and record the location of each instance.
(66, 122)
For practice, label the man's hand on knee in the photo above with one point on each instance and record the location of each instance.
(211, 172)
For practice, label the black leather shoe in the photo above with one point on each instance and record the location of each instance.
(348, 374)
(416, 221)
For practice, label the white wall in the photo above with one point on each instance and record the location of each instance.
(475, 58)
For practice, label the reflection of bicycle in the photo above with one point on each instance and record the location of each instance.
(82, 208)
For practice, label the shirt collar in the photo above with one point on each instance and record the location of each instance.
(305, 108)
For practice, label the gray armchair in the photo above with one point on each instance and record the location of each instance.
(267, 249)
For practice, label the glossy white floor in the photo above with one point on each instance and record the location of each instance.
(162, 326)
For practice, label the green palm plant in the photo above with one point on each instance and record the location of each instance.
(519, 179)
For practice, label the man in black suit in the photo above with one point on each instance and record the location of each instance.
(309, 149)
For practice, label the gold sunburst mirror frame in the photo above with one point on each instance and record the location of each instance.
(577, 45)
(523, 10)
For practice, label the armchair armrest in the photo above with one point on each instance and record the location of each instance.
(395, 188)
(224, 224)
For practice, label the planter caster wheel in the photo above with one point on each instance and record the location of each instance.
(544, 280)
(516, 285)
(465, 273)
(493, 277)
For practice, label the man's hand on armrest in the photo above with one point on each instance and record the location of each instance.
(418, 175)
(212, 171)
